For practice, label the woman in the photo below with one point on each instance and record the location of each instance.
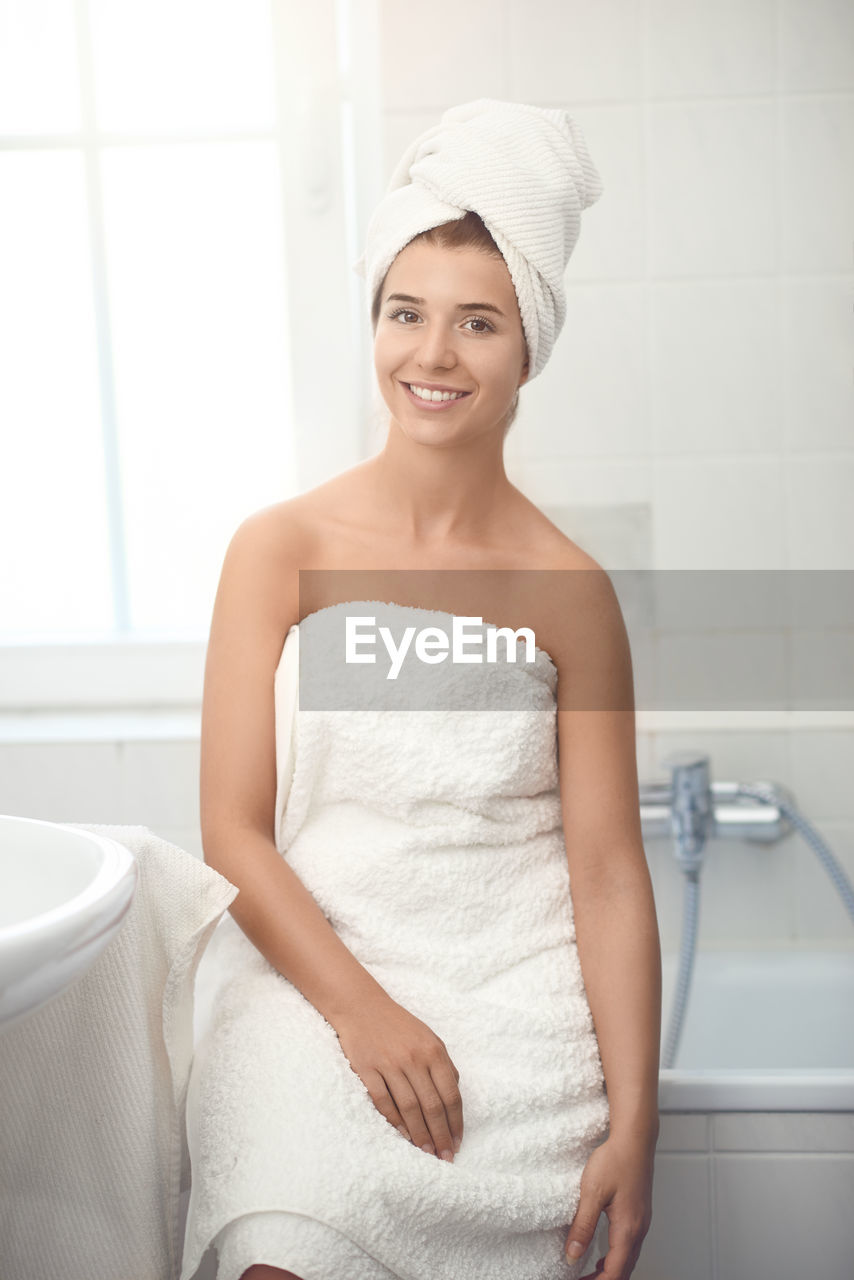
(409, 953)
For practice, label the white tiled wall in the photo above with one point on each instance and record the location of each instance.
(724, 1190)
(698, 407)
(705, 367)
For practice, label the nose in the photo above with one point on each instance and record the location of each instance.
(436, 348)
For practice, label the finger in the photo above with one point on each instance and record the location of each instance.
(409, 1107)
(633, 1260)
(583, 1226)
(435, 1116)
(597, 1274)
(445, 1077)
(617, 1256)
(621, 1243)
(383, 1101)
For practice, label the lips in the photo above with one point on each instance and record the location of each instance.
(433, 406)
(436, 386)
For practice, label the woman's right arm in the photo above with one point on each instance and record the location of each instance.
(257, 601)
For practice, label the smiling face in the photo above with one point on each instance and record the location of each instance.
(449, 318)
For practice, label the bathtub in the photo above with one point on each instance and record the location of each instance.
(754, 1171)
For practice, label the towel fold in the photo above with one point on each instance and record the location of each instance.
(93, 1147)
(286, 695)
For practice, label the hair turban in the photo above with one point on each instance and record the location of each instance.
(526, 171)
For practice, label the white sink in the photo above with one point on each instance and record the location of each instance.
(63, 895)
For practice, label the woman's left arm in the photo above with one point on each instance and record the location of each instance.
(614, 909)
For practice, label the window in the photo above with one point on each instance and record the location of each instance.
(179, 185)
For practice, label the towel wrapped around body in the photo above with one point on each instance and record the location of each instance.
(433, 842)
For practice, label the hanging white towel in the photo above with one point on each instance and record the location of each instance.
(93, 1150)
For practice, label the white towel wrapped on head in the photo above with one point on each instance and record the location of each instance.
(526, 171)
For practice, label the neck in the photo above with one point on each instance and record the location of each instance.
(432, 495)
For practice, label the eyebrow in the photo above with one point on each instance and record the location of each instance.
(462, 306)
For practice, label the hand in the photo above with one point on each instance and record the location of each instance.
(617, 1179)
(407, 1071)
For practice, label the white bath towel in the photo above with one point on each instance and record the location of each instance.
(93, 1151)
(433, 842)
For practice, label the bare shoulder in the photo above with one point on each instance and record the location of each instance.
(295, 530)
(573, 600)
(262, 562)
(278, 528)
(541, 543)
(311, 530)
(318, 516)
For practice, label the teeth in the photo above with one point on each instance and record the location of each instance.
(424, 394)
